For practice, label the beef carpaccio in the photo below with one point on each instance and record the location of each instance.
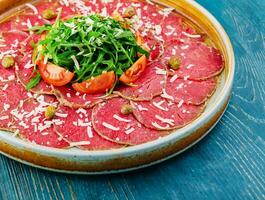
(181, 75)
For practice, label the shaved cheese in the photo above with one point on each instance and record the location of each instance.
(83, 124)
(180, 103)
(120, 118)
(129, 131)
(23, 124)
(61, 115)
(32, 8)
(89, 132)
(81, 110)
(76, 62)
(11, 77)
(29, 25)
(185, 47)
(180, 86)
(190, 66)
(28, 65)
(175, 77)
(74, 144)
(158, 30)
(158, 105)
(65, 2)
(164, 120)
(57, 122)
(6, 106)
(35, 119)
(4, 117)
(156, 125)
(5, 87)
(166, 96)
(160, 71)
(104, 12)
(109, 126)
(170, 103)
(81, 7)
(141, 108)
(166, 11)
(186, 77)
(44, 133)
(190, 35)
(172, 30)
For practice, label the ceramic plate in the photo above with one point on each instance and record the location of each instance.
(125, 159)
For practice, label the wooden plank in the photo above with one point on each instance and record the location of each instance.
(228, 164)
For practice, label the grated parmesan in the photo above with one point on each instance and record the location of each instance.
(129, 131)
(190, 35)
(109, 126)
(164, 120)
(156, 125)
(166, 96)
(89, 132)
(158, 105)
(32, 8)
(117, 117)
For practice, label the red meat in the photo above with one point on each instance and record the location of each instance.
(160, 114)
(77, 129)
(198, 61)
(149, 85)
(110, 123)
(32, 125)
(11, 93)
(191, 92)
(69, 97)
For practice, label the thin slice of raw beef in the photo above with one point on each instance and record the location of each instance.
(161, 114)
(111, 124)
(77, 128)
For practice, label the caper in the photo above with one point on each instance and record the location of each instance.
(126, 109)
(174, 62)
(48, 14)
(129, 12)
(50, 112)
(8, 61)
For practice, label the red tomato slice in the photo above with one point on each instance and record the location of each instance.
(135, 71)
(53, 74)
(98, 84)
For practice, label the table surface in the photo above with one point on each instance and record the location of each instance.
(228, 164)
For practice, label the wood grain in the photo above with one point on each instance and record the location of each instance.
(228, 164)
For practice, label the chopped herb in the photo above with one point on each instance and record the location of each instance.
(33, 82)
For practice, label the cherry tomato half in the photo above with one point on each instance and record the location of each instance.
(97, 84)
(135, 71)
(54, 74)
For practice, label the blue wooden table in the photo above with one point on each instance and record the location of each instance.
(227, 164)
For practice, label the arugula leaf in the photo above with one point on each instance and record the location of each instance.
(34, 81)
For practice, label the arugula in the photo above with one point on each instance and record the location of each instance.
(34, 81)
(88, 45)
